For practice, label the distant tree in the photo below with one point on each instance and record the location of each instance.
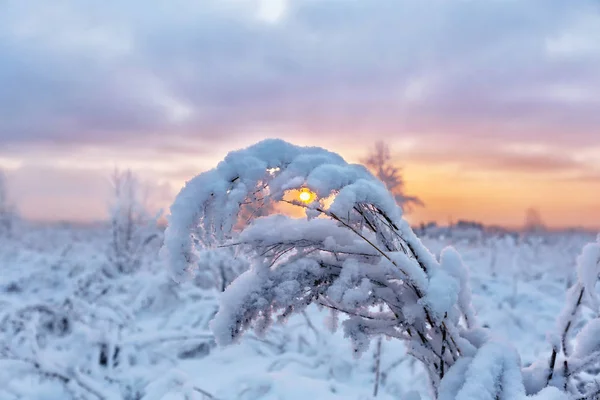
(533, 221)
(132, 226)
(7, 209)
(379, 161)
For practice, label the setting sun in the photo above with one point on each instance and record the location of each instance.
(306, 196)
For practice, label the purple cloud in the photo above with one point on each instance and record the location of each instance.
(97, 74)
(179, 80)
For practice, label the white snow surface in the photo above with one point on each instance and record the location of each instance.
(167, 349)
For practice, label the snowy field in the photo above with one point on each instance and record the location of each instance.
(72, 327)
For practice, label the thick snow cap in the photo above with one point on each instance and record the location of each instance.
(209, 204)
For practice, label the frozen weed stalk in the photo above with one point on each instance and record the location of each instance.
(351, 252)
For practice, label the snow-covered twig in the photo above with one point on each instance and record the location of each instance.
(62, 376)
(164, 336)
(204, 393)
(377, 366)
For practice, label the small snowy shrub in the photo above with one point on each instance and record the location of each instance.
(68, 331)
(350, 252)
(132, 227)
(7, 209)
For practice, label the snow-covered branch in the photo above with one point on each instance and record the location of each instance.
(353, 253)
(346, 247)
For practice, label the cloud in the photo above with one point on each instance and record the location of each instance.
(586, 177)
(75, 72)
(169, 88)
(531, 163)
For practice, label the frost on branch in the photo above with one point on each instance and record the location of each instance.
(351, 252)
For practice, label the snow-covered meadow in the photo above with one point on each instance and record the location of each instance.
(129, 311)
(69, 329)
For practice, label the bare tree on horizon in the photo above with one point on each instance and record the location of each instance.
(533, 221)
(379, 160)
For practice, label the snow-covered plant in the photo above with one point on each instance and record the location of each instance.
(176, 382)
(65, 324)
(569, 366)
(352, 252)
(7, 209)
(34, 334)
(132, 226)
(379, 161)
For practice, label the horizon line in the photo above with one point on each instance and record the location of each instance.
(519, 229)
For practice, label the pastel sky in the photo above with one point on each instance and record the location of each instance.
(490, 106)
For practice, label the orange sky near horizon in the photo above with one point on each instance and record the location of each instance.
(489, 108)
(496, 196)
(501, 199)
(75, 187)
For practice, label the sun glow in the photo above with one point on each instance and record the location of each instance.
(306, 196)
